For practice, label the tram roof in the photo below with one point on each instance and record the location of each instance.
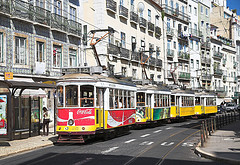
(180, 91)
(153, 87)
(94, 78)
(204, 94)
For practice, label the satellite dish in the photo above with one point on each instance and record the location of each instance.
(141, 7)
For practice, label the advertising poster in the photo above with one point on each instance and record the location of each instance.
(3, 114)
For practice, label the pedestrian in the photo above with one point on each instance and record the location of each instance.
(46, 121)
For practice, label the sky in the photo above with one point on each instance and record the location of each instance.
(234, 4)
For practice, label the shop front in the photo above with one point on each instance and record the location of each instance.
(20, 108)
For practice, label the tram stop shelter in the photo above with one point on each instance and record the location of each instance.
(20, 115)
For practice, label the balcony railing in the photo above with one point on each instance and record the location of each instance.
(224, 61)
(74, 28)
(218, 72)
(235, 65)
(176, 13)
(170, 53)
(205, 45)
(224, 78)
(206, 77)
(206, 60)
(183, 56)
(152, 61)
(217, 55)
(150, 27)
(157, 31)
(142, 22)
(111, 5)
(124, 53)
(113, 49)
(123, 12)
(184, 75)
(170, 31)
(42, 16)
(220, 89)
(159, 63)
(235, 79)
(5, 6)
(59, 22)
(133, 17)
(22, 10)
(195, 32)
(135, 56)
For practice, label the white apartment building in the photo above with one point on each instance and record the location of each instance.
(137, 26)
(176, 41)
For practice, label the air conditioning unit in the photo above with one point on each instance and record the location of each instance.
(40, 68)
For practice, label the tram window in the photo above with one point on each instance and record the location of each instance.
(111, 97)
(172, 100)
(125, 100)
(156, 100)
(132, 100)
(129, 100)
(99, 97)
(87, 97)
(197, 101)
(116, 98)
(140, 99)
(60, 96)
(71, 95)
(121, 100)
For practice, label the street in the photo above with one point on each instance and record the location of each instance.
(165, 144)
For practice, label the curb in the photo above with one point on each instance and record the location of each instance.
(207, 155)
(24, 150)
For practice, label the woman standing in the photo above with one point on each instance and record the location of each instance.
(46, 120)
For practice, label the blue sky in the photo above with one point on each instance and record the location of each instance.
(234, 4)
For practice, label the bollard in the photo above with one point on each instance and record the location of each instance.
(212, 124)
(229, 118)
(206, 129)
(215, 124)
(201, 134)
(209, 127)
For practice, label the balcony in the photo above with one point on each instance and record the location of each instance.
(42, 16)
(218, 72)
(113, 49)
(159, 63)
(184, 76)
(144, 58)
(170, 53)
(5, 7)
(183, 56)
(135, 57)
(22, 10)
(59, 23)
(235, 65)
(142, 23)
(176, 13)
(111, 5)
(150, 27)
(133, 18)
(220, 89)
(74, 28)
(217, 55)
(224, 62)
(170, 32)
(206, 77)
(235, 79)
(206, 60)
(195, 33)
(123, 12)
(183, 36)
(152, 61)
(157, 31)
(124, 53)
(205, 45)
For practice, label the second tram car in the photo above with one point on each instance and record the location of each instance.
(93, 104)
(205, 103)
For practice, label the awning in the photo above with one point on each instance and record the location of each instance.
(25, 85)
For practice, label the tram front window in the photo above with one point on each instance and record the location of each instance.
(141, 99)
(71, 95)
(60, 96)
(87, 96)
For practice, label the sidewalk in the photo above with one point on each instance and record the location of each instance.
(16, 146)
(223, 145)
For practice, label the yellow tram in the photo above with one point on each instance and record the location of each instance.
(205, 103)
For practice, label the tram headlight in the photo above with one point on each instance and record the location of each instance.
(70, 122)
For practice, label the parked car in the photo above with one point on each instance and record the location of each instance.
(220, 109)
(231, 107)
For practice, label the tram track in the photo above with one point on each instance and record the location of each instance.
(131, 161)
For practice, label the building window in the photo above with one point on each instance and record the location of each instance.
(197, 64)
(40, 52)
(197, 45)
(57, 7)
(1, 48)
(72, 58)
(191, 44)
(190, 9)
(192, 64)
(72, 13)
(174, 44)
(134, 73)
(20, 51)
(174, 24)
(157, 21)
(149, 15)
(123, 39)
(40, 3)
(57, 56)
(124, 71)
(201, 9)
(206, 12)
(195, 11)
(202, 24)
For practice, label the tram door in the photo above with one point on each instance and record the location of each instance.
(149, 104)
(99, 107)
(177, 105)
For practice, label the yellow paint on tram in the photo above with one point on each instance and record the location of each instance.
(186, 111)
(198, 110)
(76, 128)
(173, 112)
(210, 109)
